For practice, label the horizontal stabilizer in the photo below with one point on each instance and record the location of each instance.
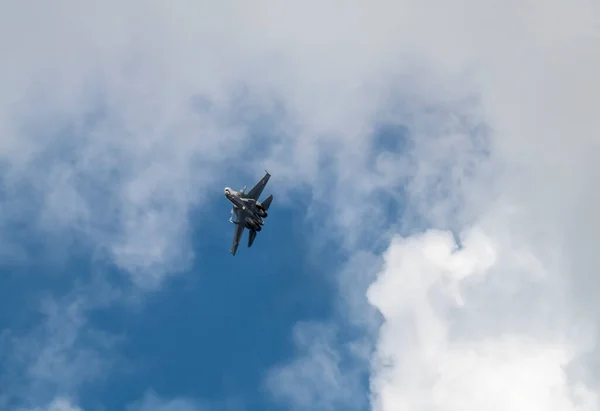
(251, 237)
(267, 203)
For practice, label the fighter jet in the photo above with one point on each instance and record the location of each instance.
(248, 211)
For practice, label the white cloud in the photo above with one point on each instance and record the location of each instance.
(533, 314)
(120, 92)
(435, 350)
(509, 341)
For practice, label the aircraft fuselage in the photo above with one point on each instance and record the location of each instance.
(247, 205)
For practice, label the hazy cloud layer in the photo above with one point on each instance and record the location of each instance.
(116, 117)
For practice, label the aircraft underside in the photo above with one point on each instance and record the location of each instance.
(247, 211)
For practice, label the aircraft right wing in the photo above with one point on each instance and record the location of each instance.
(258, 188)
(237, 233)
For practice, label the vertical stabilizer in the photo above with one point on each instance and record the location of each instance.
(267, 203)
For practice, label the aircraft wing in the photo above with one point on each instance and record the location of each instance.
(258, 188)
(237, 233)
(251, 237)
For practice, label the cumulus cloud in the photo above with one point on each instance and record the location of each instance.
(463, 330)
(435, 350)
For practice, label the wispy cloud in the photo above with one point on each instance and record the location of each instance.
(60, 355)
(324, 376)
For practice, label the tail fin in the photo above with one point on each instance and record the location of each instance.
(251, 237)
(267, 203)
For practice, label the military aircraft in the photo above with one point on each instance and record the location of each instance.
(248, 211)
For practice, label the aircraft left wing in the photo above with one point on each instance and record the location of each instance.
(258, 188)
(237, 233)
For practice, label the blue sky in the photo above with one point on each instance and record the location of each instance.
(211, 332)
